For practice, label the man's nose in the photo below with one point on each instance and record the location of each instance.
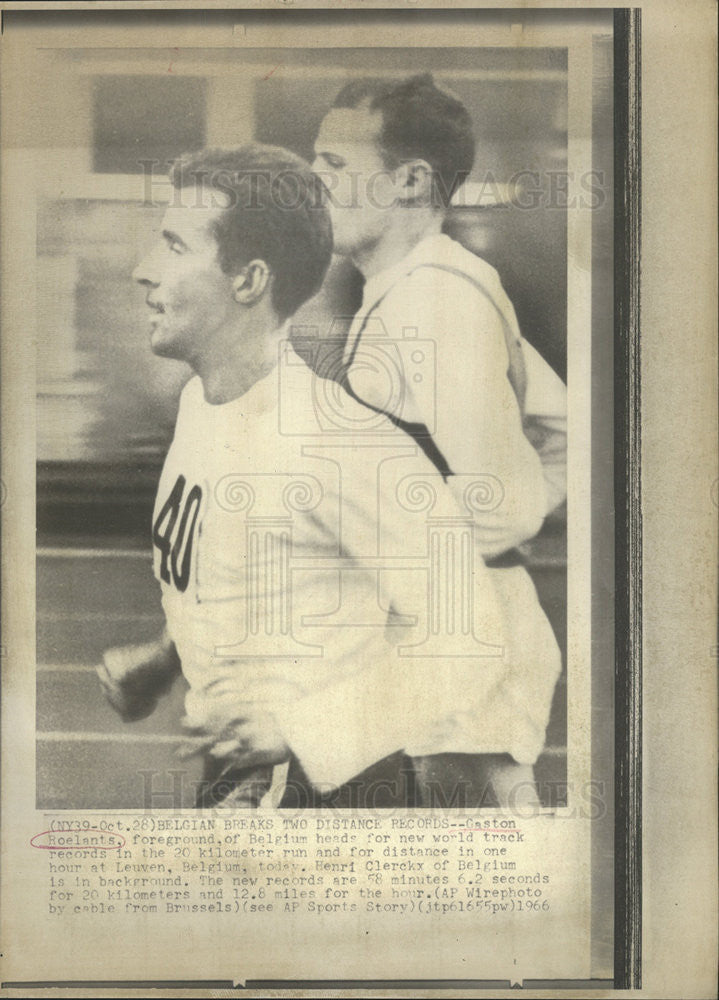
(145, 273)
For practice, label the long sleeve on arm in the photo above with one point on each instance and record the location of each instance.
(492, 704)
(486, 695)
(343, 729)
(464, 396)
(545, 422)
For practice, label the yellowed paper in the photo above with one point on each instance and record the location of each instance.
(110, 873)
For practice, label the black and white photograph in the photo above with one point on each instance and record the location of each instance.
(330, 436)
(286, 591)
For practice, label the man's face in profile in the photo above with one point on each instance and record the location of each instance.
(348, 158)
(187, 293)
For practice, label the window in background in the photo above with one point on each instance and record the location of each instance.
(140, 118)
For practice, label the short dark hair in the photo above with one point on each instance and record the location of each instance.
(419, 121)
(277, 212)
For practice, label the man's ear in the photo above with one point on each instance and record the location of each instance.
(415, 180)
(250, 284)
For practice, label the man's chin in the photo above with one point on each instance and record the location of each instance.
(350, 244)
(164, 348)
(344, 243)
